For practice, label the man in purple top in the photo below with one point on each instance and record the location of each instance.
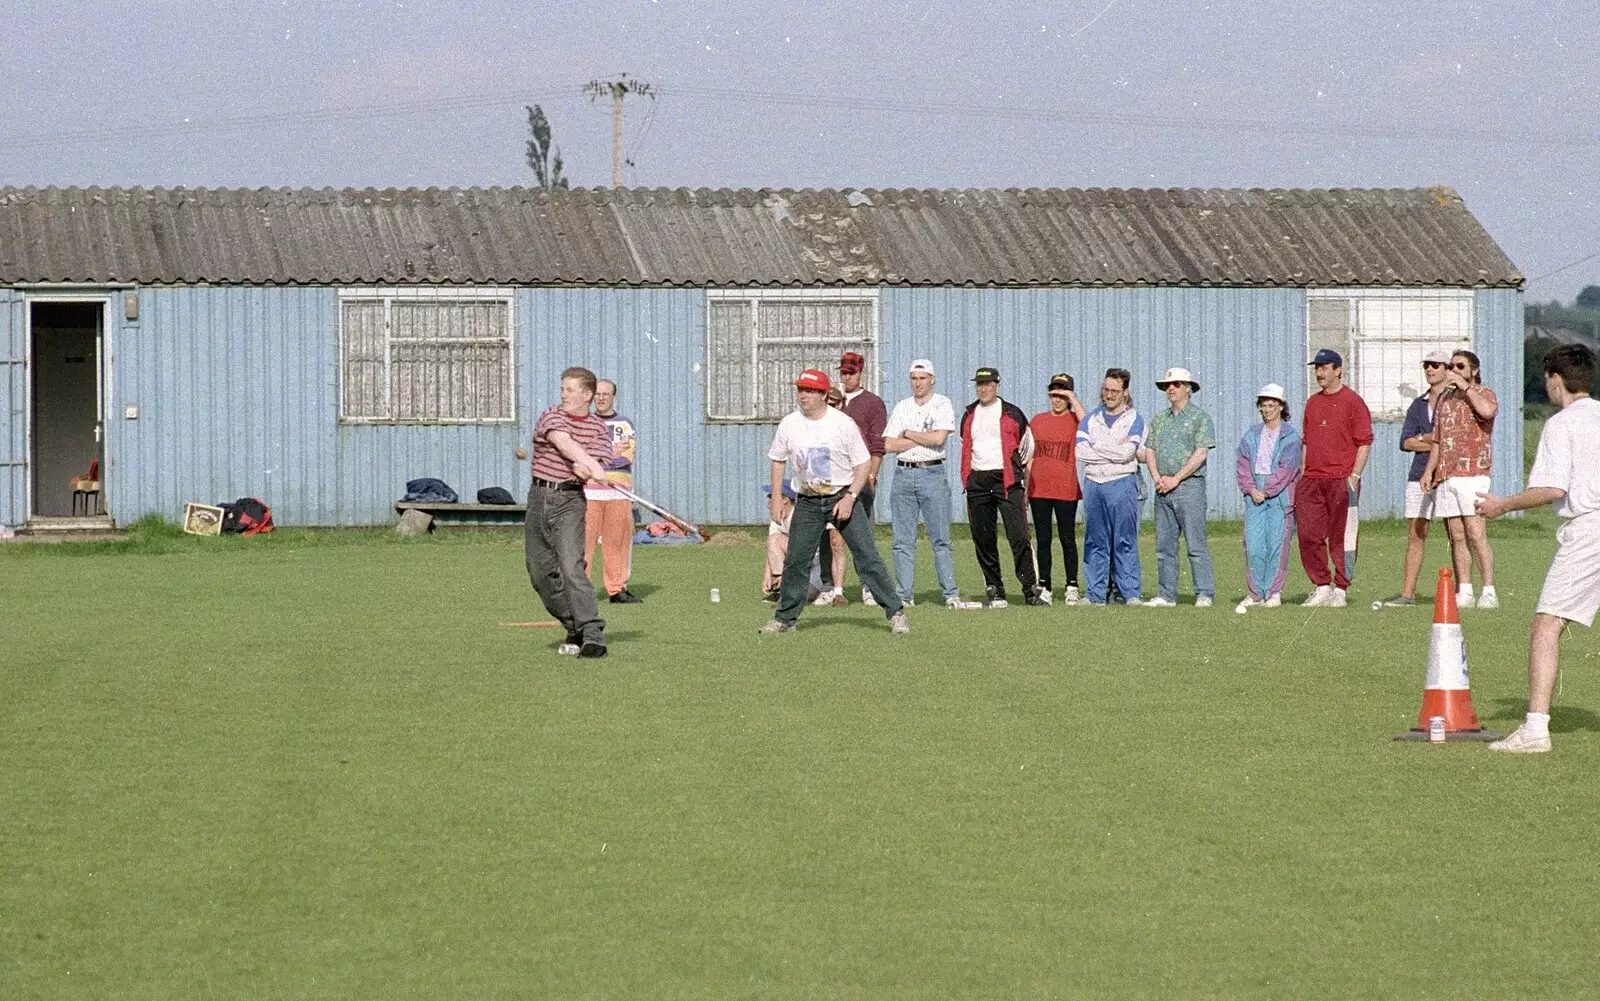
(865, 408)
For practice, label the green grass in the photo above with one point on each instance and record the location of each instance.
(313, 765)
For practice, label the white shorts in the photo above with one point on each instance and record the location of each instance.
(1457, 497)
(1572, 587)
(1419, 503)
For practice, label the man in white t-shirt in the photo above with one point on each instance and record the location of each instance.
(916, 434)
(1564, 474)
(822, 453)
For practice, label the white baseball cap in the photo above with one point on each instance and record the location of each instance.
(1272, 391)
(922, 365)
(1177, 375)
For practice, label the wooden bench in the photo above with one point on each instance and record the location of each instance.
(462, 513)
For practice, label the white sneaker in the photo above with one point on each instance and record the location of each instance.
(1245, 605)
(1157, 602)
(1522, 742)
(1464, 599)
(1488, 599)
(1202, 602)
(1323, 595)
(908, 603)
(825, 598)
(1072, 597)
(867, 599)
(899, 624)
(1273, 601)
(1135, 602)
(1340, 599)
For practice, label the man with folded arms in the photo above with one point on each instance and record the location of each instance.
(915, 435)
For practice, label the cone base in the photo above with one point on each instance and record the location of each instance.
(1453, 736)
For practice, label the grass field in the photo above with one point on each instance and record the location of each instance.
(313, 765)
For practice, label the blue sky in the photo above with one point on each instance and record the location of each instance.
(1499, 101)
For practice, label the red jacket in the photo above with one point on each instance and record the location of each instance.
(1013, 425)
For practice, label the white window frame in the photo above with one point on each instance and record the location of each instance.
(866, 296)
(1354, 335)
(495, 294)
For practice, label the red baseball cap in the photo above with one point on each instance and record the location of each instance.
(813, 378)
(850, 363)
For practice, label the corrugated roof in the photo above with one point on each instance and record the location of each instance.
(701, 237)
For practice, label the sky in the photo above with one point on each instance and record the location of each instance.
(1499, 101)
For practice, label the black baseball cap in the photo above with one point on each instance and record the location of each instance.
(1061, 380)
(986, 374)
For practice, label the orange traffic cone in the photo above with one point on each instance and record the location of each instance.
(1445, 691)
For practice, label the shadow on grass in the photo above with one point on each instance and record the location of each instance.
(1563, 719)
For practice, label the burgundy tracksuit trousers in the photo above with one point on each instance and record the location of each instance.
(1321, 507)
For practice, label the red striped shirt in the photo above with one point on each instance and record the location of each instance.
(589, 431)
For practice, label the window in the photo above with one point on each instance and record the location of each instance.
(426, 357)
(757, 342)
(1383, 335)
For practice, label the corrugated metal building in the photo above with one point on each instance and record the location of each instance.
(319, 348)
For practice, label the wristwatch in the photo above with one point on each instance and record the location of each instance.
(853, 495)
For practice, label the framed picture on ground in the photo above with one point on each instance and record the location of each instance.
(202, 519)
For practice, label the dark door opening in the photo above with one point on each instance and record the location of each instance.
(66, 406)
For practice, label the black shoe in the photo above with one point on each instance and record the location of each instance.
(1036, 598)
(592, 651)
(626, 597)
(771, 596)
(994, 596)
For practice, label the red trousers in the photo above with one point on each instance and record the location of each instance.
(611, 523)
(1321, 507)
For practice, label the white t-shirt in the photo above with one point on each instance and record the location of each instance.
(822, 454)
(986, 453)
(1564, 462)
(934, 414)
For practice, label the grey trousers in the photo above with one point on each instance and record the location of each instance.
(552, 540)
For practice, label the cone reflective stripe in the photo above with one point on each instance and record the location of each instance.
(1446, 691)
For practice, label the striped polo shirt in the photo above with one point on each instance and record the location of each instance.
(589, 431)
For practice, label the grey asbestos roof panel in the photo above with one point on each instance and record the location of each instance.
(703, 237)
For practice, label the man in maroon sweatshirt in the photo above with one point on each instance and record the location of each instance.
(865, 408)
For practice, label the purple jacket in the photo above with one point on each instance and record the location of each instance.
(1285, 462)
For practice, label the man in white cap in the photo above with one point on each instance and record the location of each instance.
(915, 435)
(1181, 437)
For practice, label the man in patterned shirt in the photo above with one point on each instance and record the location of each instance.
(1180, 439)
(1458, 471)
(570, 447)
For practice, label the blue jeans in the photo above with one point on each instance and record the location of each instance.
(921, 494)
(1111, 525)
(1183, 511)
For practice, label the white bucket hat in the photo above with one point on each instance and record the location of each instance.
(1272, 391)
(1177, 375)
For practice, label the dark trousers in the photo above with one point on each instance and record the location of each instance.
(987, 497)
(807, 528)
(1322, 506)
(552, 543)
(1065, 513)
(830, 573)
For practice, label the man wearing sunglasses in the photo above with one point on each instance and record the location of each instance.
(1416, 437)
(1458, 471)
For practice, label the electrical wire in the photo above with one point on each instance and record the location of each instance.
(1564, 267)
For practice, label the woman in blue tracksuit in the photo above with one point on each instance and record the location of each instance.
(1267, 468)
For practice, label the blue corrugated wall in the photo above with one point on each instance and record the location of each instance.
(237, 389)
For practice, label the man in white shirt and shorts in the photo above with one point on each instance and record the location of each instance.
(821, 452)
(1565, 474)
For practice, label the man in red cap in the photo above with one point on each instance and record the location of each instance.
(823, 455)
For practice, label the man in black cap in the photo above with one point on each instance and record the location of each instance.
(996, 447)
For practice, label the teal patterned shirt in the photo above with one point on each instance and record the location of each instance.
(1174, 437)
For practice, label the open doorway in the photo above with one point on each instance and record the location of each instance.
(67, 422)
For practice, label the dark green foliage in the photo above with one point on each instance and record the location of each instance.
(544, 157)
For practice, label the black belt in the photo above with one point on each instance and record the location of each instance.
(836, 493)
(557, 484)
(921, 465)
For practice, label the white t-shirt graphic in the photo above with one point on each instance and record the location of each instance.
(822, 454)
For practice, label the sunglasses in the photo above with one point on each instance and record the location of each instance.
(1434, 364)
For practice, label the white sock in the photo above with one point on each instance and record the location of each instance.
(1537, 724)
(1464, 591)
(1488, 589)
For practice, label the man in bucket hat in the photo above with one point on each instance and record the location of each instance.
(1181, 437)
(821, 451)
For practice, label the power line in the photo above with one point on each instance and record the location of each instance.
(1564, 267)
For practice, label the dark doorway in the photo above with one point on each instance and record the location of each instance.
(66, 405)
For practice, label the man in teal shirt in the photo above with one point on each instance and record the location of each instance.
(1180, 439)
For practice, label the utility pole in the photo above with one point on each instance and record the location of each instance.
(617, 89)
